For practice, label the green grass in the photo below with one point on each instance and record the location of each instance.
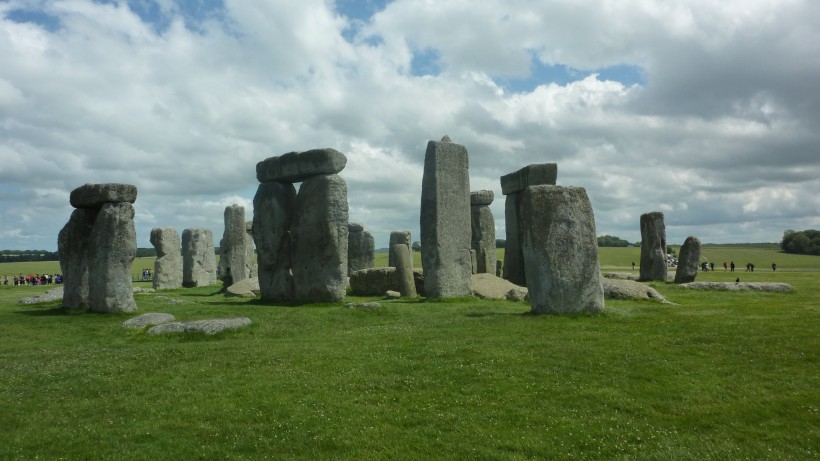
(719, 376)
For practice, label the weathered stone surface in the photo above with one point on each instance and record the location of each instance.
(361, 248)
(250, 255)
(319, 232)
(198, 258)
(149, 318)
(298, 166)
(208, 326)
(492, 287)
(560, 250)
(513, 255)
(370, 306)
(168, 266)
(72, 249)
(481, 197)
(615, 288)
(378, 280)
(736, 286)
(483, 238)
(51, 295)
(390, 294)
(95, 195)
(273, 208)
(653, 247)
(688, 260)
(445, 221)
(404, 270)
(531, 175)
(233, 251)
(112, 248)
(248, 288)
(396, 238)
(499, 268)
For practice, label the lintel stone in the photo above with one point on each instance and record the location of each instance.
(95, 195)
(298, 166)
(531, 175)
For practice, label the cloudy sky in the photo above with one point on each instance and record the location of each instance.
(706, 110)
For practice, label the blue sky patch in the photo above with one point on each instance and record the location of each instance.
(560, 74)
(48, 22)
(425, 62)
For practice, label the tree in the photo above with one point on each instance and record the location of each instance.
(500, 243)
(416, 246)
(611, 241)
(805, 242)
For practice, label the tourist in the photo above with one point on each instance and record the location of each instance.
(6, 278)
(712, 266)
(732, 265)
(774, 268)
(633, 266)
(724, 266)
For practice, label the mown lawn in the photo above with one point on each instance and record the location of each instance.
(718, 376)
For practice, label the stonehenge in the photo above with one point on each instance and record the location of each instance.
(398, 237)
(483, 231)
(361, 248)
(445, 221)
(236, 247)
(653, 247)
(96, 248)
(198, 258)
(168, 266)
(688, 260)
(302, 238)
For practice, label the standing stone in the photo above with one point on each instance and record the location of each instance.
(397, 238)
(560, 250)
(361, 248)
(273, 208)
(113, 246)
(688, 261)
(404, 270)
(72, 249)
(653, 247)
(198, 258)
(168, 266)
(234, 264)
(512, 185)
(445, 221)
(250, 255)
(483, 230)
(499, 268)
(319, 232)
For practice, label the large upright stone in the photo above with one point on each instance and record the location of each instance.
(72, 249)
(483, 230)
(404, 270)
(168, 266)
(273, 207)
(250, 253)
(445, 221)
(560, 250)
(298, 166)
(95, 195)
(198, 258)
(688, 260)
(512, 185)
(233, 252)
(113, 246)
(361, 248)
(653, 247)
(319, 232)
(401, 237)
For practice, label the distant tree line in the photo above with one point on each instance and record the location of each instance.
(805, 242)
(14, 256)
(611, 241)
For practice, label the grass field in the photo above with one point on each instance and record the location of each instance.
(718, 376)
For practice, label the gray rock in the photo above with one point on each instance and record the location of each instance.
(273, 208)
(72, 249)
(298, 166)
(560, 250)
(319, 231)
(531, 175)
(95, 195)
(247, 288)
(390, 294)
(499, 268)
(250, 254)
(404, 270)
(369, 306)
(150, 318)
(620, 276)
(361, 248)
(481, 197)
(445, 221)
(208, 326)
(653, 247)
(446, 138)
(396, 238)
(168, 266)
(615, 288)
(513, 254)
(168, 300)
(483, 238)
(198, 258)
(688, 259)
(233, 252)
(492, 287)
(739, 286)
(112, 248)
(378, 280)
(51, 295)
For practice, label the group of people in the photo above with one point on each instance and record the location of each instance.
(146, 275)
(33, 280)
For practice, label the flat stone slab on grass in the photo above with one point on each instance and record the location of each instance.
(737, 286)
(615, 288)
(490, 286)
(247, 288)
(51, 295)
(207, 326)
(150, 318)
(371, 306)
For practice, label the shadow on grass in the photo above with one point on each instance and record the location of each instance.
(52, 312)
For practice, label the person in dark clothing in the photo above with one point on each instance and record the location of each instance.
(732, 265)
(774, 267)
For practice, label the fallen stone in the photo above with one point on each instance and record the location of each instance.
(51, 295)
(737, 286)
(629, 289)
(371, 306)
(377, 280)
(489, 286)
(298, 166)
(207, 326)
(95, 195)
(168, 300)
(392, 294)
(247, 288)
(150, 318)
(620, 276)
